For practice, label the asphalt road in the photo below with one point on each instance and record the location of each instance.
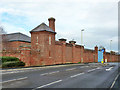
(63, 76)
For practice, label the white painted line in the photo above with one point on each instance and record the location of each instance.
(114, 81)
(77, 75)
(8, 73)
(91, 70)
(109, 69)
(49, 84)
(53, 72)
(12, 72)
(14, 80)
(70, 69)
(44, 74)
(82, 67)
(86, 66)
(99, 68)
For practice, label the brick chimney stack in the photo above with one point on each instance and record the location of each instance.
(52, 23)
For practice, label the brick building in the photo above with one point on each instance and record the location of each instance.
(42, 49)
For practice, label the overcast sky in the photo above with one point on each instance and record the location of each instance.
(99, 19)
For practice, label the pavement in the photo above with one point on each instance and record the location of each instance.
(92, 75)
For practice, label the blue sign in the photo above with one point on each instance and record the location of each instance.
(100, 56)
(102, 50)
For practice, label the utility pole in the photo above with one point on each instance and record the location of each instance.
(81, 45)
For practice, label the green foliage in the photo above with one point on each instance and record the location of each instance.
(7, 59)
(78, 62)
(8, 62)
(13, 64)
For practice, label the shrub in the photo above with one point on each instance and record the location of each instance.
(78, 62)
(7, 59)
(10, 62)
(13, 64)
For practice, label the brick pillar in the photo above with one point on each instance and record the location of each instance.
(25, 55)
(82, 54)
(73, 51)
(63, 41)
(96, 53)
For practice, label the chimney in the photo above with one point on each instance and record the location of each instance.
(96, 49)
(52, 23)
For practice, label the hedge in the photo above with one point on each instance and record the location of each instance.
(10, 62)
(7, 59)
(13, 64)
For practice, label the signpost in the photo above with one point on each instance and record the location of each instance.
(102, 61)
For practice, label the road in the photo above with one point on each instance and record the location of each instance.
(93, 75)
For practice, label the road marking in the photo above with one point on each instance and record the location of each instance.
(91, 70)
(53, 72)
(14, 80)
(70, 69)
(86, 66)
(44, 74)
(8, 73)
(48, 84)
(99, 68)
(109, 69)
(13, 72)
(114, 81)
(77, 75)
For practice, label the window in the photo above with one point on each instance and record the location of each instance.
(49, 40)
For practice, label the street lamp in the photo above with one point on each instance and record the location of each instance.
(110, 49)
(82, 36)
(81, 45)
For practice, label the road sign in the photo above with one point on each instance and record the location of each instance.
(102, 50)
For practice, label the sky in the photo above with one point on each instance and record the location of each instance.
(98, 18)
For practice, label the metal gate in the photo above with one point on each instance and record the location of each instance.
(100, 56)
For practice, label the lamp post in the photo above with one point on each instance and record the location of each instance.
(110, 49)
(81, 45)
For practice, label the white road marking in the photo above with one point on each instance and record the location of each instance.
(109, 69)
(86, 66)
(44, 74)
(48, 84)
(82, 67)
(53, 72)
(13, 72)
(99, 68)
(114, 81)
(70, 69)
(91, 70)
(8, 73)
(14, 80)
(77, 75)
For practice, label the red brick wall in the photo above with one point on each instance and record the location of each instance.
(23, 54)
(77, 55)
(44, 51)
(58, 54)
(68, 54)
(53, 54)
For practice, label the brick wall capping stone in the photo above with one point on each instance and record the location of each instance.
(72, 42)
(62, 39)
(69, 44)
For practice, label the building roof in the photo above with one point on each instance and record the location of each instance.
(42, 27)
(18, 37)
